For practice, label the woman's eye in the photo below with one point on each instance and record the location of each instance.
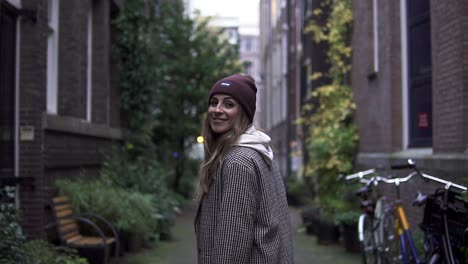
(229, 104)
(213, 103)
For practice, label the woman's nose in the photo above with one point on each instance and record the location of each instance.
(218, 108)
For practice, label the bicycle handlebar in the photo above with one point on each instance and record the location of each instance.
(397, 181)
(448, 184)
(410, 165)
(360, 174)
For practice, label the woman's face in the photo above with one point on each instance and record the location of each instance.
(222, 113)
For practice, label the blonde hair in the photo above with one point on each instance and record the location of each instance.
(215, 147)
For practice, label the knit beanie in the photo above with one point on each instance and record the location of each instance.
(240, 87)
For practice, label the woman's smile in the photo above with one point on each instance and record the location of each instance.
(222, 112)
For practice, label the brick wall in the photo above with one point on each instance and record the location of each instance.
(65, 145)
(367, 95)
(450, 75)
(32, 104)
(377, 94)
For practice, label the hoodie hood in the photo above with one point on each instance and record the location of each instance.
(255, 139)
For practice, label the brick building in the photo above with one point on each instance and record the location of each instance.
(59, 109)
(288, 57)
(274, 77)
(410, 82)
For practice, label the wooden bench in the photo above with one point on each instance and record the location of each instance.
(69, 232)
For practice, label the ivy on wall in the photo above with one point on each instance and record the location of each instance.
(331, 135)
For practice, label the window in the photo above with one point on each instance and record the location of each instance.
(248, 44)
(8, 84)
(52, 56)
(419, 73)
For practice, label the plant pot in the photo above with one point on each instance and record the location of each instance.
(135, 242)
(94, 255)
(350, 237)
(310, 219)
(165, 233)
(130, 242)
(327, 232)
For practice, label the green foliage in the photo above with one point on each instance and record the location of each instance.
(14, 248)
(41, 252)
(336, 33)
(331, 138)
(137, 72)
(11, 234)
(347, 217)
(296, 190)
(294, 185)
(139, 174)
(127, 210)
(168, 64)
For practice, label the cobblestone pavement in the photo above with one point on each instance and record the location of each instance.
(182, 248)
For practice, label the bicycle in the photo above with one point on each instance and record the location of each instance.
(369, 223)
(395, 225)
(380, 226)
(445, 221)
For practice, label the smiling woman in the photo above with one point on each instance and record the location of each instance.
(242, 215)
(222, 112)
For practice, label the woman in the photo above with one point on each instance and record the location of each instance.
(242, 215)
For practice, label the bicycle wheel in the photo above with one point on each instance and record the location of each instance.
(389, 247)
(367, 239)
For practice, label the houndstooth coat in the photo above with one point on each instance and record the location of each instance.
(244, 217)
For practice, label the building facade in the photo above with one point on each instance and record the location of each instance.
(289, 57)
(410, 82)
(249, 52)
(274, 77)
(60, 100)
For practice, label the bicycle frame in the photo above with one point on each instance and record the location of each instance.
(404, 233)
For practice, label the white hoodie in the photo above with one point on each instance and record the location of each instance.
(256, 139)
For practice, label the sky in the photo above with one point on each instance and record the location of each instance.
(246, 11)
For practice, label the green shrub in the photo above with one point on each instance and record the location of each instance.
(11, 234)
(296, 190)
(13, 245)
(41, 252)
(143, 174)
(127, 210)
(347, 218)
(140, 174)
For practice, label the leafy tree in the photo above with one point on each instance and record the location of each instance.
(168, 64)
(193, 56)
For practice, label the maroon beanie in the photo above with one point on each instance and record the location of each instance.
(240, 87)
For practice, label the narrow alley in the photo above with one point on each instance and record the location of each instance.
(181, 250)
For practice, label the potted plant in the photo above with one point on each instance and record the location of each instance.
(327, 230)
(131, 212)
(310, 216)
(348, 221)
